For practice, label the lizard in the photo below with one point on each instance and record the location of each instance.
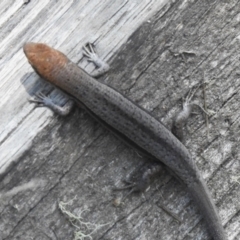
(124, 118)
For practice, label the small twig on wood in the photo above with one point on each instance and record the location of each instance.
(205, 104)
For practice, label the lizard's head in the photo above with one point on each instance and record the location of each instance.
(45, 60)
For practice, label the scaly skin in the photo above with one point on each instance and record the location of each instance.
(129, 120)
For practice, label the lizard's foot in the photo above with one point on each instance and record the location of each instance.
(41, 100)
(44, 101)
(143, 180)
(188, 103)
(182, 117)
(90, 53)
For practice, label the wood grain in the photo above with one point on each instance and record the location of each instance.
(158, 51)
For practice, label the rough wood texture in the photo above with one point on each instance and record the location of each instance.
(58, 159)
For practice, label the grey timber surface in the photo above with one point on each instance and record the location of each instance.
(158, 52)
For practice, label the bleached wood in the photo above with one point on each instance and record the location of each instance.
(45, 159)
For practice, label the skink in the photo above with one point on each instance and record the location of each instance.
(128, 120)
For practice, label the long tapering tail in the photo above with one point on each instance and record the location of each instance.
(201, 195)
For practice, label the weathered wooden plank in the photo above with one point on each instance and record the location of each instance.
(183, 44)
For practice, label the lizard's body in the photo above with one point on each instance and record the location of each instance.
(129, 120)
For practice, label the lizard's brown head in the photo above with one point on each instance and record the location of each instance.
(45, 60)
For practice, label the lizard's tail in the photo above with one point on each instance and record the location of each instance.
(201, 195)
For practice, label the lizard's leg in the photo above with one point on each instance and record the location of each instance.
(90, 53)
(143, 179)
(44, 101)
(183, 116)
